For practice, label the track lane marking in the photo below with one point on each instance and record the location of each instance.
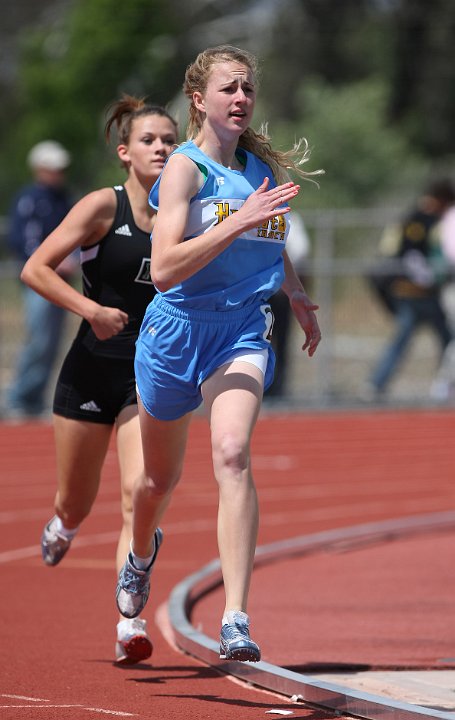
(117, 713)
(338, 512)
(36, 701)
(23, 697)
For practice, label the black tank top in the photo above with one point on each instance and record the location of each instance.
(116, 273)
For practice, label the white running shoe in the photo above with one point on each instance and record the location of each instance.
(54, 545)
(133, 643)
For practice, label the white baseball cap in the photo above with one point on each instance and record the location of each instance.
(50, 155)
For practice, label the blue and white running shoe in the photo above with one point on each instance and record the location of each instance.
(235, 641)
(133, 586)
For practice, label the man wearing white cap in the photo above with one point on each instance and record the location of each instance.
(36, 211)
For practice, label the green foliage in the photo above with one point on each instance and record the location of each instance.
(71, 71)
(422, 73)
(369, 83)
(364, 159)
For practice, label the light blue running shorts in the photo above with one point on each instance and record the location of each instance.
(177, 349)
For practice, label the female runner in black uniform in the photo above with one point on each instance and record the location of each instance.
(96, 387)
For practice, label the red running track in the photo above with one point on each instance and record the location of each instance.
(313, 471)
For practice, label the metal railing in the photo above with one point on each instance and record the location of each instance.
(354, 325)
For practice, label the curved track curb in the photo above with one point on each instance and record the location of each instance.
(337, 698)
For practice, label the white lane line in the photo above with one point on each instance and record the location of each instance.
(106, 539)
(109, 712)
(14, 516)
(103, 711)
(19, 554)
(18, 707)
(117, 713)
(23, 697)
(271, 519)
(33, 550)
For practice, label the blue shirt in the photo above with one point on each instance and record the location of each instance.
(36, 212)
(250, 270)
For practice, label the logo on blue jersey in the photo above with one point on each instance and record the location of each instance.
(274, 229)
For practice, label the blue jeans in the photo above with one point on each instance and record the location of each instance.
(44, 326)
(409, 314)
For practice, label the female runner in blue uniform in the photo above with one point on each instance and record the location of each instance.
(218, 255)
(96, 387)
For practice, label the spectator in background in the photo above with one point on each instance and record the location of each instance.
(36, 211)
(415, 291)
(443, 386)
(298, 248)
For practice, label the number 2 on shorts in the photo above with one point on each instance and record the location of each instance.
(269, 317)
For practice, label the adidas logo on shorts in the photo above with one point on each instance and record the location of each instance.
(91, 406)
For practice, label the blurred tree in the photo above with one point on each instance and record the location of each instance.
(331, 26)
(423, 72)
(331, 70)
(71, 70)
(365, 161)
(339, 42)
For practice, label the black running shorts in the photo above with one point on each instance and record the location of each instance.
(94, 388)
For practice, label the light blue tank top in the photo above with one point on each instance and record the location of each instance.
(250, 270)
